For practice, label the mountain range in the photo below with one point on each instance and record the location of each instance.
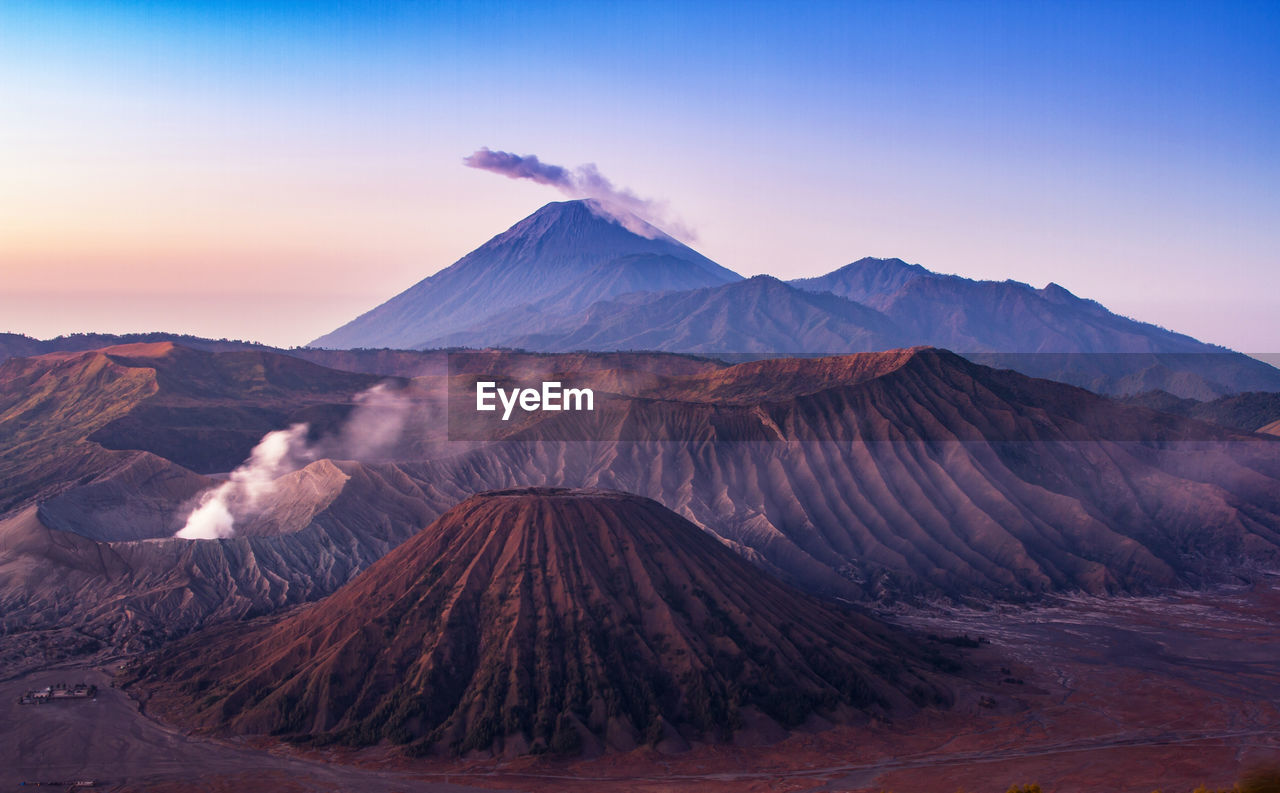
(569, 277)
(872, 476)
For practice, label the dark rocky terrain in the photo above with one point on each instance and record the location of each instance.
(1077, 694)
(132, 594)
(1251, 411)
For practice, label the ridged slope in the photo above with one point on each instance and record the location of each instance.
(134, 594)
(533, 620)
(758, 315)
(918, 471)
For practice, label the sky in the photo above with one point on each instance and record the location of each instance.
(269, 170)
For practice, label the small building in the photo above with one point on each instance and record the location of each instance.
(58, 691)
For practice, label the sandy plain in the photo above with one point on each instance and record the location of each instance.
(1077, 694)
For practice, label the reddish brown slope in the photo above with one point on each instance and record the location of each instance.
(48, 406)
(210, 409)
(544, 619)
(63, 413)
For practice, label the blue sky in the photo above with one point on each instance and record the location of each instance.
(169, 164)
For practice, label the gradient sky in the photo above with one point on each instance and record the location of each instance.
(269, 170)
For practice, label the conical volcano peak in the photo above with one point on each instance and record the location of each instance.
(558, 248)
(562, 228)
(545, 619)
(578, 211)
(588, 212)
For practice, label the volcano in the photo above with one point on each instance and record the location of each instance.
(546, 619)
(549, 256)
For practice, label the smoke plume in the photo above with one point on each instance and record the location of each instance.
(635, 213)
(274, 456)
(372, 430)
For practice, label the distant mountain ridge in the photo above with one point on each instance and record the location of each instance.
(970, 316)
(569, 278)
(1250, 411)
(16, 345)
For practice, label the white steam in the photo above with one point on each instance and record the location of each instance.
(274, 456)
(373, 429)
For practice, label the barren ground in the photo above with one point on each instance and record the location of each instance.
(1117, 694)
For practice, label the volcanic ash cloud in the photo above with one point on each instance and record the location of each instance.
(633, 212)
